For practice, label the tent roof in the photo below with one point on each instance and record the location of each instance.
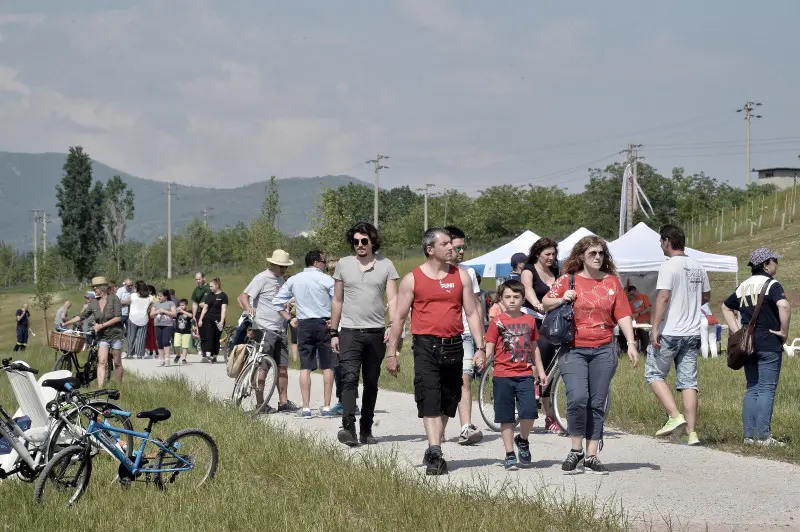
(639, 250)
(497, 263)
(566, 245)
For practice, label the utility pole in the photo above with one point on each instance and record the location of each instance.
(748, 108)
(37, 216)
(378, 167)
(169, 231)
(44, 234)
(424, 190)
(630, 197)
(206, 214)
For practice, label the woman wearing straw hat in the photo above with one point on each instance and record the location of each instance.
(106, 311)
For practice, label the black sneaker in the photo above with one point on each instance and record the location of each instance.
(366, 438)
(348, 437)
(436, 464)
(593, 465)
(288, 406)
(176, 359)
(524, 448)
(570, 465)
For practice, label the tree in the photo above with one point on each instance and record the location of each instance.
(330, 223)
(263, 235)
(45, 286)
(80, 207)
(118, 210)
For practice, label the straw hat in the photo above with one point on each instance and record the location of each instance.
(280, 258)
(99, 281)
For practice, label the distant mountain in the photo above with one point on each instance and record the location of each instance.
(28, 181)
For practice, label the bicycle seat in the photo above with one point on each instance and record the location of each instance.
(155, 415)
(61, 385)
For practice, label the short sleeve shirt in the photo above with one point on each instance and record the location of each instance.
(162, 320)
(61, 314)
(600, 304)
(183, 324)
(476, 289)
(686, 280)
(199, 295)
(215, 302)
(24, 321)
(123, 295)
(514, 340)
(641, 302)
(111, 310)
(364, 292)
(744, 301)
(261, 291)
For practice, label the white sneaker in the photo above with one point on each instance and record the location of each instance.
(770, 442)
(161, 364)
(470, 435)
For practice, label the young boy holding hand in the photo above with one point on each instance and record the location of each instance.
(511, 338)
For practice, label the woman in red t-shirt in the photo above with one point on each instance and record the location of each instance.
(587, 366)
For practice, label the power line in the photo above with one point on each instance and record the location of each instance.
(748, 108)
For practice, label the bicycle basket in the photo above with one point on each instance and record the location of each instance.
(66, 342)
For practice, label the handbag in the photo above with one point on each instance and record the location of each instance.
(450, 354)
(558, 325)
(741, 343)
(236, 360)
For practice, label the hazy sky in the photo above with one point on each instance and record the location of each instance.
(464, 94)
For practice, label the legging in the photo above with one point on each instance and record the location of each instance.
(137, 334)
(211, 336)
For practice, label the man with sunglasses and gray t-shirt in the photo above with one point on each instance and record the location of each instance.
(361, 281)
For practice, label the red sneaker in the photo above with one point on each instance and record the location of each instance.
(551, 425)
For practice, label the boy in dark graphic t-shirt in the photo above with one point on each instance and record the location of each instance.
(512, 339)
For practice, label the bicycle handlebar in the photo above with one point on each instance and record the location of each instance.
(16, 366)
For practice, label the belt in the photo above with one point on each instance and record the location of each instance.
(453, 340)
(313, 319)
(365, 330)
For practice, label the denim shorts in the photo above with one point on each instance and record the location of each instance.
(683, 350)
(512, 393)
(113, 344)
(469, 354)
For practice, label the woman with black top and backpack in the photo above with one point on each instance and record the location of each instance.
(763, 368)
(538, 275)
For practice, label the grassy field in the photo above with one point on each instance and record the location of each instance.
(272, 480)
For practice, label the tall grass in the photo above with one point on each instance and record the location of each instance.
(272, 479)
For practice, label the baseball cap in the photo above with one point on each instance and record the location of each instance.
(90, 295)
(518, 258)
(762, 255)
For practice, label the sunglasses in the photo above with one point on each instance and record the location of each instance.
(596, 253)
(459, 248)
(362, 241)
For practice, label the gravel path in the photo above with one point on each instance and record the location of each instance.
(697, 488)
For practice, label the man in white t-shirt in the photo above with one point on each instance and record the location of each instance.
(683, 288)
(469, 433)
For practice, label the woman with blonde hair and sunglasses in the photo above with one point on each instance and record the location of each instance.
(587, 366)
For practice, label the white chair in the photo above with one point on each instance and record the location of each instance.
(793, 348)
(32, 400)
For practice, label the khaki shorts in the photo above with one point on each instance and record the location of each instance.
(182, 341)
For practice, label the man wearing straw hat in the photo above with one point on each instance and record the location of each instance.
(267, 322)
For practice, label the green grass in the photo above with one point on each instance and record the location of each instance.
(270, 479)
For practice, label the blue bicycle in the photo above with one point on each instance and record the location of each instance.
(189, 453)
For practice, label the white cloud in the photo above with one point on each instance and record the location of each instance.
(28, 19)
(445, 21)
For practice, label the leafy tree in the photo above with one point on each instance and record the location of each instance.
(80, 207)
(45, 286)
(263, 236)
(119, 209)
(331, 222)
(198, 245)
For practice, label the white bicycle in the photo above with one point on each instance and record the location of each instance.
(246, 388)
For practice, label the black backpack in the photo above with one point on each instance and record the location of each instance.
(558, 325)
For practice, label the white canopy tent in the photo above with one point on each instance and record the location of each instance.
(639, 250)
(566, 245)
(497, 263)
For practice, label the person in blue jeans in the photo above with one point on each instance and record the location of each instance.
(763, 368)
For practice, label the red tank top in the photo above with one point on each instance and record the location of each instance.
(437, 304)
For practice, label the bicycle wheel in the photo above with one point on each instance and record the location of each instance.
(190, 445)
(486, 399)
(244, 390)
(65, 477)
(558, 394)
(64, 362)
(270, 382)
(66, 433)
(226, 343)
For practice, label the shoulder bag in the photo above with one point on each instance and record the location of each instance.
(558, 325)
(741, 343)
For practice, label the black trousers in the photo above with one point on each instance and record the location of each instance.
(209, 336)
(361, 351)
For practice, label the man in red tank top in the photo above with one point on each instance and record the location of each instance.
(437, 292)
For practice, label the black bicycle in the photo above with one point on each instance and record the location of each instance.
(87, 372)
